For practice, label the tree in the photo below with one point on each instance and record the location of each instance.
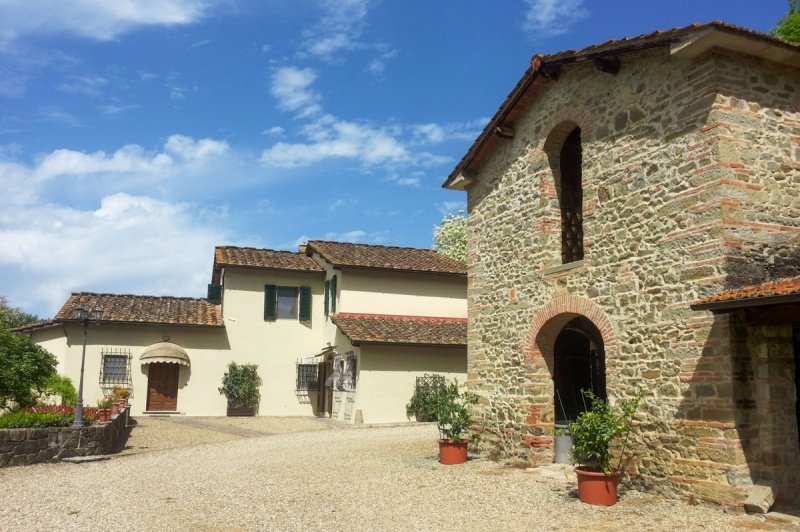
(24, 369)
(789, 26)
(14, 316)
(450, 238)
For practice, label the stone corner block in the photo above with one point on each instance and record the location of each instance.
(760, 500)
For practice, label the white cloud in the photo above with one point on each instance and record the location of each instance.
(96, 19)
(451, 207)
(547, 18)
(274, 131)
(291, 87)
(339, 29)
(331, 138)
(89, 85)
(191, 149)
(131, 158)
(129, 244)
(377, 66)
(433, 133)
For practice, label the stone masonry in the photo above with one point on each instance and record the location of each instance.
(691, 184)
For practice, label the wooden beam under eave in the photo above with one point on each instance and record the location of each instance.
(774, 315)
(609, 65)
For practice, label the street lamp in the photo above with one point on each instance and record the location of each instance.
(84, 316)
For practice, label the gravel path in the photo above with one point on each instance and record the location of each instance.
(362, 479)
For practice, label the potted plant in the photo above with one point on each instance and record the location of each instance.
(593, 433)
(104, 409)
(240, 385)
(121, 395)
(453, 421)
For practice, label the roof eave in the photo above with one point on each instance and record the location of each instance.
(730, 305)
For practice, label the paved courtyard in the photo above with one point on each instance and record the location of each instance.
(306, 474)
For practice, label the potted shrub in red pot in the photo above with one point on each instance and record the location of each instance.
(104, 409)
(453, 422)
(593, 433)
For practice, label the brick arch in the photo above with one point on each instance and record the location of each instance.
(551, 318)
(538, 350)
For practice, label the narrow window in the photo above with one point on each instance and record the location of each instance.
(571, 198)
(287, 303)
(327, 296)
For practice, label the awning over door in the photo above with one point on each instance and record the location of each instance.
(165, 352)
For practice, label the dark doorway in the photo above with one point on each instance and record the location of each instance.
(162, 387)
(325, 387)
(579, 364)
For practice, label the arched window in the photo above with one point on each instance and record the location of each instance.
(571, 198)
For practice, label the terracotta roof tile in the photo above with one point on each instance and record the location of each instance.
(413, 330)
(264, 258)
(342, 254)
(753, 295)
(146, 309)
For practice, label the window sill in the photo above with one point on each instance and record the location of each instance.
(564, 269)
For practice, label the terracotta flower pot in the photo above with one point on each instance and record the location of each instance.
(103, 414)
(114, 409)
(451, 452)
(123, 403)
(595, 487)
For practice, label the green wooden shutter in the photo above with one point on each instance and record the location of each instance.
(327, 298)
(270, 302)
(333, 294)
(305, 303)
(214, 293)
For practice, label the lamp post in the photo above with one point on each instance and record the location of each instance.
(84, 316)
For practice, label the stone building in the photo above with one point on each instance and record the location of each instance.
(616, 187)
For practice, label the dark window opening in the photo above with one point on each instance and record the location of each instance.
(307, 376)
(571, 198)
(287, 303)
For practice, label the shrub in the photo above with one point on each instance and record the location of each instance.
(596, 429)
(46, 416)
(452, 412)
(24, 369)
(61, 385)
(423, 401)
(240, 385)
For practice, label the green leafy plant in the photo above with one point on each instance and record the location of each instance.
(450, 238)
(789, 26)
(452, 412)
(46, 416)
(24, 369)
(60, 385)
(594, 431)
(105, 402)
(423, 403)
(120, 392)
(240, 385)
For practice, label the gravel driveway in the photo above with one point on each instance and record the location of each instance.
(316, 479)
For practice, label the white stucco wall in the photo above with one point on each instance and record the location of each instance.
(417, 294)
(387, 376)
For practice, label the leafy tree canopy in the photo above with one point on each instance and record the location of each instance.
(12, 317)
(24, 369)
(789, 26)
(450, 238)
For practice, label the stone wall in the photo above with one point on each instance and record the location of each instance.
(691, 183)
(34, 445)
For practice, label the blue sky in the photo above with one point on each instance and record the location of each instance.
(137, 135)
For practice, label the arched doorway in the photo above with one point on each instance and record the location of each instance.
(579, 364)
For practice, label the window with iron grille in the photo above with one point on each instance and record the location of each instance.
(307, 376)
(347, 376)
(115, 367)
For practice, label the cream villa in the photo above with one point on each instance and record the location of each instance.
(336, 329)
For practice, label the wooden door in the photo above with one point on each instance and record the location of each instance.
(162, 387)
(324, 390)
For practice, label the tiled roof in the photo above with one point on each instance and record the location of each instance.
(342, 254)
(165, 310)
(409, 330)
(537, 75)
(44, 324)
(264, 258)
(773, 292)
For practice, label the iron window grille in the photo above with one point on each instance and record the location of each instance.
(345, 372)
(307, 376)
(116, 367)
